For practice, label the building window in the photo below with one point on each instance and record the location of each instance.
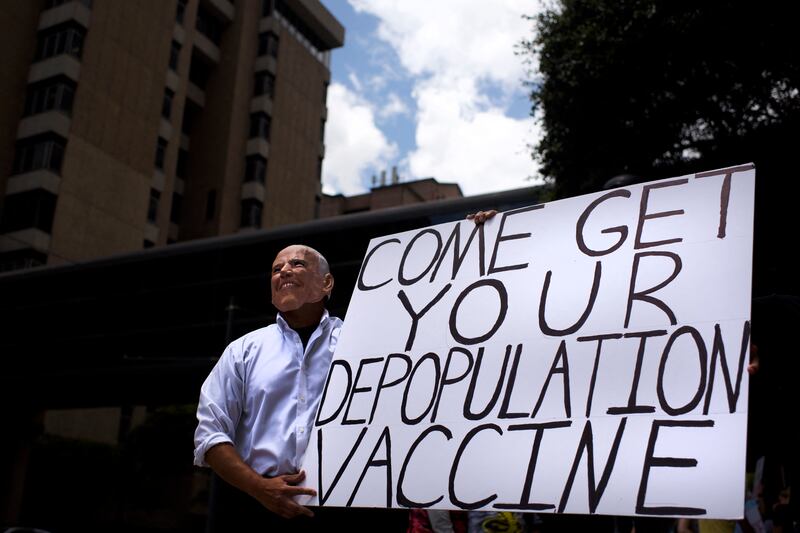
(260, 125)
(268, 44)
(166, 105)
(209, 25)
(322, 130)
(62, 39)
(265, 84)
(183, 163)
(191, 114)
(29, 209)
(51, 94)
(266, 8)
(181, 12)
(152, 206)
(251, 213)
(211, 204)
(174, 55)
(200, 71)
(175, 210)
(325, 92)
(39, 152)
(296, 27)
(161, 151)
(255, 169)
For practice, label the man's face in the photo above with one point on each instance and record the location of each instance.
(296, 279)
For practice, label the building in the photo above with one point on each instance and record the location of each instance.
(384, 195)
(128, 125)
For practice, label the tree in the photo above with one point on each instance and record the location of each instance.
(659, 88)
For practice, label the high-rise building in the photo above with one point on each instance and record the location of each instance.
(126, 125)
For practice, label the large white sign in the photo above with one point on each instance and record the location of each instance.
(582, 356)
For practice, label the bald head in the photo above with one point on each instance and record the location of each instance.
(300, 277)
(322, 263)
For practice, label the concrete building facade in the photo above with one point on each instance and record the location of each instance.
(127, 125)
(394, 194)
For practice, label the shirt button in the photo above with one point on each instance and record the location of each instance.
(302, 430)
(302, 399)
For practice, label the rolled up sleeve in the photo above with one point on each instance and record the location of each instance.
(220, 405)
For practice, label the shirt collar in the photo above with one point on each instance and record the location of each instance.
(285, 327)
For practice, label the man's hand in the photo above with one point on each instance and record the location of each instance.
(276, 494)
(481, 216)
(752, 368)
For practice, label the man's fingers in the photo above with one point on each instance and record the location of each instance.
(291, 487)
(286, 507)
(305, 511)
(293, 479)
(282, 502)
(291, 509)
(291, 490)
(481, 216)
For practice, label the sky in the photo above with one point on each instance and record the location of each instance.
(433, 88)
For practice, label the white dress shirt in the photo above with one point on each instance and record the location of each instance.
(263, 393)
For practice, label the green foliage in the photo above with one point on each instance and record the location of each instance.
(660, 88)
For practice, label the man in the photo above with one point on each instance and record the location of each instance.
(257, 406)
